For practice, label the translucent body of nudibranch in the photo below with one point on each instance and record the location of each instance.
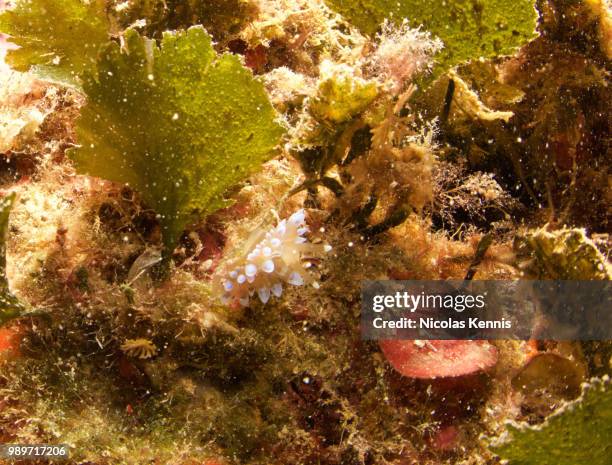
(280, 258)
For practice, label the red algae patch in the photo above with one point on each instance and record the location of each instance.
(438, 359)
(10, 341)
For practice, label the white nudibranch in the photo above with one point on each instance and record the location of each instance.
(279, 258)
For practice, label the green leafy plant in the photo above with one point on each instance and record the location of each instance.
(59, 38)
(470, 29)
(577, 433)
(177, 122)
(10, 307)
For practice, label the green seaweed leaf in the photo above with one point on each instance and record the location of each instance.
(578, 433)
(10, 307)
(470, 29)
(58, 38)
(177, 122)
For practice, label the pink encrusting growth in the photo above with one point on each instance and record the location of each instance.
(280, 258)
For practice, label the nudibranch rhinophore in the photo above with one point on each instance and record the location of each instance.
(282, 256)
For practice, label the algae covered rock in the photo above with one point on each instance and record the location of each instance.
(340, 98)
(562, 254)
(220, 18)
(578, 432)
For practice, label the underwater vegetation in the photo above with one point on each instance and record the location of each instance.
(10, 307)
(585, 420)
(191, 192)
(132, 132)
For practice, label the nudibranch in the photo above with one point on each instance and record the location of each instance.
(281, 257)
